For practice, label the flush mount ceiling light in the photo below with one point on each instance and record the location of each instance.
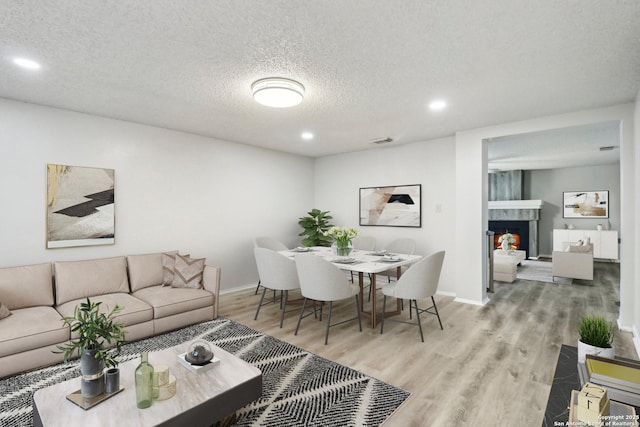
(26, 63)
(277, 92)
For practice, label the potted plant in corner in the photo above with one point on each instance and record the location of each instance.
(314, 226)
(595, 337)
(98, 332)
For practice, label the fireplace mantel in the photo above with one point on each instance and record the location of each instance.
(515, 204)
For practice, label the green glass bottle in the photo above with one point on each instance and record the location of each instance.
(144, 382)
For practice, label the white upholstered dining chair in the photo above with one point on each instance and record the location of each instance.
(363, 243)
(277, 272)
(399, 246)
(268, 243)
(420, 281)
(324, 282)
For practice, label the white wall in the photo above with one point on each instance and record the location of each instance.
(431, 163)
(174, 190)
(548, 184)
(634, 305)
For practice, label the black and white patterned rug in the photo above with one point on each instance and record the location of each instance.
(298, 388)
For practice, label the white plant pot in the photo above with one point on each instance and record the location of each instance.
(584, 349)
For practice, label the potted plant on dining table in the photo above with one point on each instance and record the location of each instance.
(343, 239)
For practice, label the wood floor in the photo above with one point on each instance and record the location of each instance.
(490, 366)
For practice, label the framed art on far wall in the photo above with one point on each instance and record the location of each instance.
(585, 204)
(80, 206)
(393, 206)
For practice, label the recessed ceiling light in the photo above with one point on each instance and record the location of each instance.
(307, 135)
(26, 63)
(277, 92)
(437, 105)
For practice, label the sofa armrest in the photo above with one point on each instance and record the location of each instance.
(211, 282)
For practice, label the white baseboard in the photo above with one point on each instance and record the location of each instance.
(636, 341)
(471, 301)
(238, 288)
(446, 294)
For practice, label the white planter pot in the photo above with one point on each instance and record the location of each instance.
(584, 349)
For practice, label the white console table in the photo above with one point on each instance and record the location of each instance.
(605, 242)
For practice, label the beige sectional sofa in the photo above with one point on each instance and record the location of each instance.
(38, 296)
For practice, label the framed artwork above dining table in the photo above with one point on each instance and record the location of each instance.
(391, 206)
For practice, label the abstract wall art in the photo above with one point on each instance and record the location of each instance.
(585, 204)
(80, 206)
(394, 206)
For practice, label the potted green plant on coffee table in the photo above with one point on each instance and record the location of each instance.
(595, 337)
(98, 333)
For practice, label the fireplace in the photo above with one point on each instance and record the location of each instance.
(519, 229)
(518, 217)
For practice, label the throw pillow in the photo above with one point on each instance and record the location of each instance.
(587, 241)
(580, 248)
(4, 311)
(188, 272)
(168, 266)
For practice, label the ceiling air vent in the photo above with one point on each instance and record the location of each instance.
(608, 148)
(381, 141)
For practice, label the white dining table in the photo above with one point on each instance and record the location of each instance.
(363, 262)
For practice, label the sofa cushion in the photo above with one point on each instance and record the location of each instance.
(134, 310)
(167, 301)
(188, 272)
(82, 279)
(26, 286)
(145, 270)
(4, 311)
(30, 328)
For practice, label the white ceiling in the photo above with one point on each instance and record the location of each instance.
(370, 68)
(557, 148)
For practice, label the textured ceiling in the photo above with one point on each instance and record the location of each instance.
(370, 68)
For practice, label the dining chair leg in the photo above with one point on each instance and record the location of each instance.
(384, 307)
(326, 337)
(358, 311)
(418, 317)
(260, 304)
(410, 309)
(437, 313)
(284, 307)
(304, 304)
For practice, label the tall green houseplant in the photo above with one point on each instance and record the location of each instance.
(314, 226)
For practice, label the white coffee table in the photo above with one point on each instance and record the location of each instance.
(200, 400)
(505, 264)
(513, 255)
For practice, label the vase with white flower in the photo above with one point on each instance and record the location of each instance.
(343, 239)
(506, 240)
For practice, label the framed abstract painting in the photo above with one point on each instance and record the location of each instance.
(80, 206)
(585, 204)
(392, 206)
